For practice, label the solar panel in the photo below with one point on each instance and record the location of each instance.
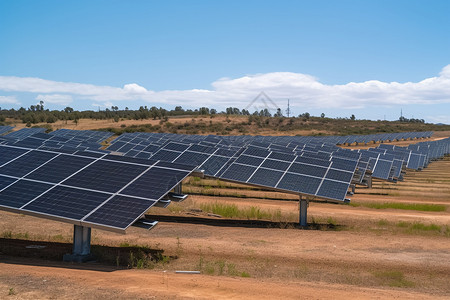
(24, 133)
(382, 169)
(5, 129)
(106, 191)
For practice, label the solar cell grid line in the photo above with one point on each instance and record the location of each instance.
(93, 161)
(284, 173)
(20, 166)
(117, 193)
(64, 213)
(323, 178)
(382, 169)
(4, 129)
(8, 153)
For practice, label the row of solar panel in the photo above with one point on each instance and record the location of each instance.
(90, 189)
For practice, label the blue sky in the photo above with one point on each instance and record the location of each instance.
(368, 58)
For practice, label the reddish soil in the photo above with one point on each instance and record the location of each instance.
(369, 254)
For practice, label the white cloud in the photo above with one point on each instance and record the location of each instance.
(444, 119)
(303, 90)
(134, 88)
(8, 100)
(55, 99)
(106, 104)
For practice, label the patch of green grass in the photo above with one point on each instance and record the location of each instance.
(245, 274)
(57, 238)
(405, 206)
(231, 270)
(383, 222)
(421, 228)
(331, 221)
(393, 279)
(233, 211)
(12, 235)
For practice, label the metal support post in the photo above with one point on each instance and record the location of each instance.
(303, 212)
(81, 251)
(178, 189)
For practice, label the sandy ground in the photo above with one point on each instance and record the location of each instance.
(369, 255)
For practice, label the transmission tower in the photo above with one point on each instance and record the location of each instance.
(288, 110)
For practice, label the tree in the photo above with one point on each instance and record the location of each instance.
(305, 115)
(68, 109)
(204, 111)
(278, 113)
(322, 115)
(353, 118)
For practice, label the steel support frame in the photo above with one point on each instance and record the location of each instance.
(303, 212)
(81, 251)
(178, 189)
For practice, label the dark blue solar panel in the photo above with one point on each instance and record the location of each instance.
(299, 183)
(120, 212)
(202, 149)
(225, 152)
(382, 169)
(116, 146)
(339, 175)
(60, 168)
(152, 148)
(5, 181)
(413, 162)
(67, 202)
(132, 153)
(125, 148)
(333, 190)
(176, 166)
(266, 177)
(249, 160)
(90, 154)
(214, 164)
(312, 161)
(344, 164)
(8, 153)
(276, 164)
(139, 147)
(238, 172)
(143, 155)
(165, 155)
(155, 183)
(26, 163)
(192, 158)
(21, 193)
(254, 151)
(105, 176)
(29, 142)
(307, 170)
(176, 147)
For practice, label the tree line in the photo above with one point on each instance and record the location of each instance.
(38, 114)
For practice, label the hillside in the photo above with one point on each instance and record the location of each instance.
(239, 125)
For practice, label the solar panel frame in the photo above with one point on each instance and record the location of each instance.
(45, 203)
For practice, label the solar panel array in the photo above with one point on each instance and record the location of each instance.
(261, 163)
(88, 189)
(64, 139)
(24, 133)
(66, 175)
(5, 129)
